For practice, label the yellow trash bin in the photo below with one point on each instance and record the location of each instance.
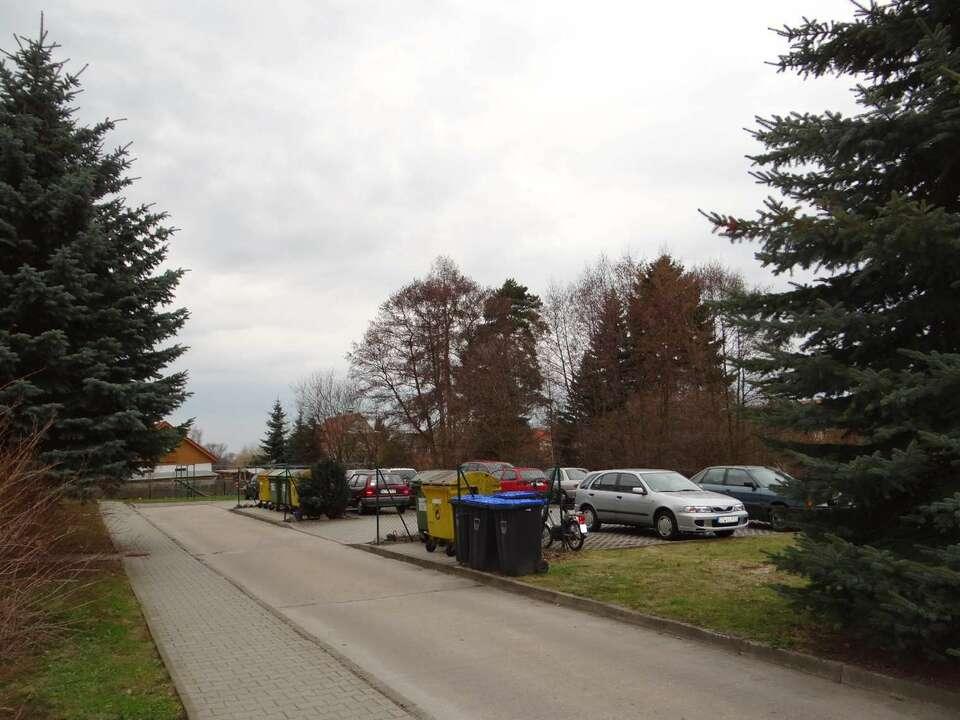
(263, 492)
(438, 489)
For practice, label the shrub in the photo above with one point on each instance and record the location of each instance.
(325, 491)
(33, 571)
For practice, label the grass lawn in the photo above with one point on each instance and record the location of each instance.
(723, 585)
(104, 666)
(208, 498)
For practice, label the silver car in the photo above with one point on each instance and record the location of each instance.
(570, 477)
(662, 499)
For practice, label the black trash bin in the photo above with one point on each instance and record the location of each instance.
(483, 541)
(518, 524)
(463, 517)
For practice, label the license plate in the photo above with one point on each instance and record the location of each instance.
(728, 520)
(583, 528)
(388, 492)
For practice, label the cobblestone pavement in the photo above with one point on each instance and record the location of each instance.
(612, 537)
(228, 656)
(355, 529)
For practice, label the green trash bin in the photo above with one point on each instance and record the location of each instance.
(275, 491)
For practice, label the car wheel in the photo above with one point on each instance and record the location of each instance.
(666, 525)
(591, 518)
(724, 533)
(778, 518)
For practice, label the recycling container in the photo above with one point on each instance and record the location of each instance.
(439, 487)
(263, 489)
(482, 544)
(519, 495)
(482, 516)
(275, 491)
(416, 486)
(517, 527)
(463, 517)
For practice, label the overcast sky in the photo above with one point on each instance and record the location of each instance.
(317, 155)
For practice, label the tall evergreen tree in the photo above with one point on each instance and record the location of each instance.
(601, 383)
(872, 374)
(274, 443)
(302, 446)
(499, 381)
(85, 323)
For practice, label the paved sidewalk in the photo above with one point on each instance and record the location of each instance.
(228, 656)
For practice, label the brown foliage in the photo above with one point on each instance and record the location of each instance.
(406, 360)
(36, 568)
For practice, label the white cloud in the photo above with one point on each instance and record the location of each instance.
(317, 155)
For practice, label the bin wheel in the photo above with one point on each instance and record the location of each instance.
(298, 514)
(543, 566)
(451, 549)
(430, 544)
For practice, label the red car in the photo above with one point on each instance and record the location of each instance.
(367, 492)
(516, 478)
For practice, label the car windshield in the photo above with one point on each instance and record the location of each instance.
(668, 482)
(532, 475)
(768, 477)
(576, 474)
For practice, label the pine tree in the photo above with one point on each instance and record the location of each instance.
(598, 394)
(302, 444)
(499, 380)
(85, 324)
(868, 384)
(274, 443)
(673, 354)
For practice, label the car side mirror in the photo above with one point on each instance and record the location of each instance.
(638, 491)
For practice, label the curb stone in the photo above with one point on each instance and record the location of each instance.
(829, 669)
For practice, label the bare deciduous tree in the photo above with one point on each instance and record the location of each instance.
(331, 406)
(406, 360)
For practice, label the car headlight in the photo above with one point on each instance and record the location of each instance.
(738, 508)
(696, 509)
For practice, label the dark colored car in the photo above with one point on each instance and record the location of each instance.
(514, 478)
(757, 487)
(367, 491)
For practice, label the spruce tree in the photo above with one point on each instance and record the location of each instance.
(85, 318)
(865, 392)
(499, 381)
(274, 443)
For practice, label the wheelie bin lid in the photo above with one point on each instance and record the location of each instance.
(519, 494)
(436, 477)
(497, 503)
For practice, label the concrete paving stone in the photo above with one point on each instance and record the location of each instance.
(216, 639)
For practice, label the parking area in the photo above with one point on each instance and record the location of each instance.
(357, 529)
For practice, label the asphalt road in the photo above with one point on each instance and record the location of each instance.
(459, 650)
